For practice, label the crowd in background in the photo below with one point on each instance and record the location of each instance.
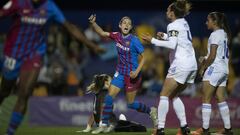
(68, 66)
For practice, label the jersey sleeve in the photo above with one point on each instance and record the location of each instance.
(10, 8)
(138, 45)
(171, 42)
(215, 39)
(172, 30)
(56, 13)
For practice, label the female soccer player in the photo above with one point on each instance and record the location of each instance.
(25, 46)
(128, 70)
(99, 87)
(214, 69)
(183, 62)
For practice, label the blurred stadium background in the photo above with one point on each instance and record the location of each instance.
(59, 96)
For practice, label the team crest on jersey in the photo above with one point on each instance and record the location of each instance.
(127, 43)
(173, 33)
(26, 11)
(42, 12)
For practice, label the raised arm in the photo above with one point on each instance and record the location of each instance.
(98, 29)
(58, 16)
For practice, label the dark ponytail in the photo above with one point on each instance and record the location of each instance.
(226, 27)
(180, 8)
(221, 21)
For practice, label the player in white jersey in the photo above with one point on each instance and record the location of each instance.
(214, 69)
(183, 65)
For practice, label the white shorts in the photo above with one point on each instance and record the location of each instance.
(183, 76)
(215, 78)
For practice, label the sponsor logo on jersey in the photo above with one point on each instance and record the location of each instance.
(127, 43)
(42, 12)
(123, 47)
(33, 20)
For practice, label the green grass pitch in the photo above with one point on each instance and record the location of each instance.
(25, 129)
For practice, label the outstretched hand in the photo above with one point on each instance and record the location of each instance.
(146, 37)
(160, 35)
(92, 18)
(133, 74)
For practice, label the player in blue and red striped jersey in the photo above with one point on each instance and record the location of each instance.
(127, 74)
(25, 46)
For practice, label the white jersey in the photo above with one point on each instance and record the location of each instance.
(220, 64)
(183, 56)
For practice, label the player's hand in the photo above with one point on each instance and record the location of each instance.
(201, 59)
(160, 35)
(201, 72)
(133, 74)
(146, 37)
(92, 18)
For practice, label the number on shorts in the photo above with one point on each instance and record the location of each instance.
(9, 63)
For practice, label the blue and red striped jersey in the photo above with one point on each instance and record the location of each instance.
(26, 37)
(129, 48)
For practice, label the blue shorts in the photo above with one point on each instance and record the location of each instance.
(12, 67)
(125, 82)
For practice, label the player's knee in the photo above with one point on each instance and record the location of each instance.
(206, 99)
(220, 98)
(23, 100)
(24, 96)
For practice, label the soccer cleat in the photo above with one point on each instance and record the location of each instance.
(100, 129)
(228, 131)
(109, 129)
(160, 131)
(185, 130)
(87, 130)
(153, 116)
(201, 131)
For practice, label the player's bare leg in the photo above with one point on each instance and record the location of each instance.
(27, 80)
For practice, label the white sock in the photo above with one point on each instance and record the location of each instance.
(224, 111)
(180, 111)
(162, 111)
(206, 114)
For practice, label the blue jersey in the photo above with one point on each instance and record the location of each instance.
(129, 48)
(26, 37)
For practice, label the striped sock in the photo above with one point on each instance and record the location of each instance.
(107, 110)
(224, 111)
(206, 114)
(140, 107)
(15, 121)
